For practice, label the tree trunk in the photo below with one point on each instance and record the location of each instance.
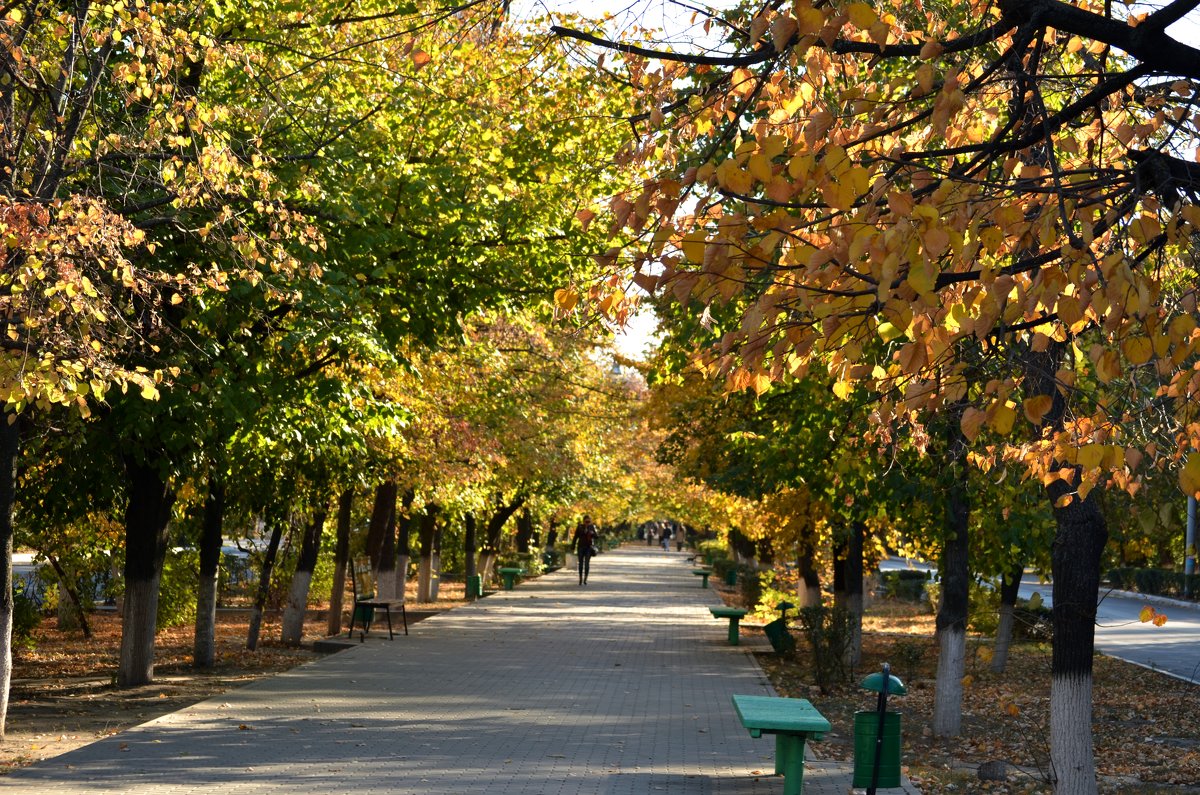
(854, 591)
(469, 545)
(1004, 630)
(1075, 566)
(403, 550)
(809, 594)
(72, 606)
(552, 534)
(306, 564)
(425, 540)
(386, 575)
(341, 556)
(264, 585)
(840, 551)
(435, 565)
(524, 531)
(956, 580)
(9, 446)
(1080, 536)
(492, 534)
(381, 518)
(204, 641)
(147, 517)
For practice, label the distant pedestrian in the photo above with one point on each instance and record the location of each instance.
(666, 540)
(584, 545)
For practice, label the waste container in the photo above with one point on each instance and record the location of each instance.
(474, 586)
(877, 734)
(731, 577)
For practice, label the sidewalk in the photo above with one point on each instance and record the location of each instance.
(621, 687)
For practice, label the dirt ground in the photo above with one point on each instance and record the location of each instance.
(64, 694)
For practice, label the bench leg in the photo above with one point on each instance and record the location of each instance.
(703, 580)
(387, 612)
(733, 631)
(789, 755)
(404, 618)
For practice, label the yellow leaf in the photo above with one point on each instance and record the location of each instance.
(1036, 407)
(734, 178)
(1189, 475)
(1146, 614)
(421, 58)
(809, 19)
(566, 299)
(760, 167)
(862, 16)
(1137, 350)
(149, 391)
(1091, 456)
(761, 383)
(921, 277)
(693, 247)
(1003, 416)
(843, 389)
(967, 680)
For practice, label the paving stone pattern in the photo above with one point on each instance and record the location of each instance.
(620, 687)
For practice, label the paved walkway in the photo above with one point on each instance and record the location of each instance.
(618, 688)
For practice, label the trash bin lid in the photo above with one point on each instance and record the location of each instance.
(784, 606)
(874, 683)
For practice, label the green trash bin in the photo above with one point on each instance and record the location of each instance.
(474, 586)
(867, 735)
(731, 577)
(866, 724)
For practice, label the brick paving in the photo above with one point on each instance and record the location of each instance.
(621, 687)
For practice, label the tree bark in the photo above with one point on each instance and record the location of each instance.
(341, 556)
(524, 531)
(854, 591)
(381, 515)
(386, 575)
(492, 533)
(840, 550)
(435, 563)
(469, 545)
(306, 564)
(428, 528)
(1004, 630)
(9, 448)
(1080, 536)
(73, 604)
(956, 580)
(403, 549)
(264, 585)
(204, 642)
(147, 517)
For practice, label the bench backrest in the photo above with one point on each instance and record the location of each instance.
(362, 581)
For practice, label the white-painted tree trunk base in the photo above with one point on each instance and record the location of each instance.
(1072, 756)
(947, 698)
(293, 612)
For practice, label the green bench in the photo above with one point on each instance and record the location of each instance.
(510, 574)
(735, 615)
(793, 721)
(704, 574)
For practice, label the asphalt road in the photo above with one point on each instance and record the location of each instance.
(1173, 648)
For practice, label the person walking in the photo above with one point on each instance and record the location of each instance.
(584, 545)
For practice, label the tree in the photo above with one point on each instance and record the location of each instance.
(1004, 179)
